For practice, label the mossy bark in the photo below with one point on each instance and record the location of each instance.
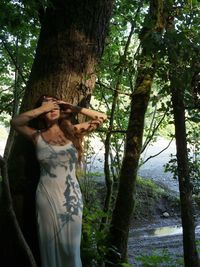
(125, 201)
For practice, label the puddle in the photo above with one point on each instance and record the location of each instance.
(159, 232)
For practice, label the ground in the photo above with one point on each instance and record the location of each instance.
(153, 200)
(153, 234)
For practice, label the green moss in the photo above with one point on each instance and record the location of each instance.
(150, 186)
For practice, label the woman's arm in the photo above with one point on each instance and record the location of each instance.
(97, 118)
(20, 122)
(93, 114)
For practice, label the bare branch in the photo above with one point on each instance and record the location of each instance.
(153, 132)
(155, 155)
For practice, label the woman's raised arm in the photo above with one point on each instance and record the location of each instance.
(97, 118)
(20, 122)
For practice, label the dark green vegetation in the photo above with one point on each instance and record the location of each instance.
(147, 82)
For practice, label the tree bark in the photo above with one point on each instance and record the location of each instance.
(177, 88)
(70, 45)
(125, 202)
(185, 186)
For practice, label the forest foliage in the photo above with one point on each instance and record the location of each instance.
(20, 26)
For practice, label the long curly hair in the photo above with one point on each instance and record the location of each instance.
(65, 125)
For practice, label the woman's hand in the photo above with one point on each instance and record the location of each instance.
(67, 107)
(49, 105)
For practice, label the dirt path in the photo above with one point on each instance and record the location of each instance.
(148, 239)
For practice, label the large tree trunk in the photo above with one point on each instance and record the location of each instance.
(126, 194)
(70, 45)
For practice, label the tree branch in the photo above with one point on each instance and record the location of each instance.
(12, 58)
(155, 155)
(153, 132)
(112, 89)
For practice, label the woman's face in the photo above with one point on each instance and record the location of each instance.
(54, 114)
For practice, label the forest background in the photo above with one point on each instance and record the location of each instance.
(147, 82)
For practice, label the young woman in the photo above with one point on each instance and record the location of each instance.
(58, 197)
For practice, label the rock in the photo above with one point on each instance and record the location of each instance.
(165, 214)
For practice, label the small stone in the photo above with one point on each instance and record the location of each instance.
(165, 214)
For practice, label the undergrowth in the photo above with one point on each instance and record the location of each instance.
(157, 259)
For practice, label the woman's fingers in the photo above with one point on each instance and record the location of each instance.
(50, 105)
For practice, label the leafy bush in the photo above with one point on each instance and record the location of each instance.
(93, 244)
(163, 259)
(94, 236)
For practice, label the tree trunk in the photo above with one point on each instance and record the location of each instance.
(70, 45)
(185, 186)
(126, 194)
(177, 88)
(125, 202)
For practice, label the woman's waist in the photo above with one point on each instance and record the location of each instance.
(58, 178)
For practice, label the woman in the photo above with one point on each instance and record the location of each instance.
(58, 196)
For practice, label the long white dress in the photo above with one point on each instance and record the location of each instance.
(58, 205)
